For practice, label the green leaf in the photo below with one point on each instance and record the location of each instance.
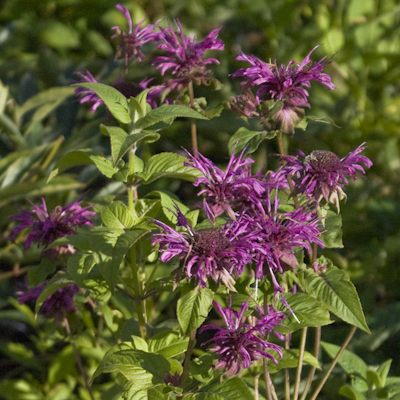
(62, 366)
(137, 367)
(117, 215)
(80, 264)
(169, 165)
(168, 203)
(307, 310)
(115, 101)
(193, 308)
(132, 141)
(165, 113)
(168, 344)
(351, 393)
(332, 236)
(290, 359)
(383, 371)
(202, 368)
(84, 156)
(352, 365)
(232, 389)
(38, 273)
(117, 138)
(58, 281)
(252, 139)
(337, 293)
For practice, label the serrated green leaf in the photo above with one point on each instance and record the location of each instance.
(306, 309)
(164, 113)
(115, 101)
(117, 215)
(102, 239)
(132, 141)
(84, 156)
(351, 363)
(337, 293)
(168, 203)
(168, 344)
(193, 308)
(117, 138)
(332, 235)
(252, 139)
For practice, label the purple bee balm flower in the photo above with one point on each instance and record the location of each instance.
(239, 344)
(47, 227)
(57, 305)
(185, 56)
(235, 187)
(284, 83)
(323, 175)
(218, 253)
(279, 235)
(89, 96)
(130, 43)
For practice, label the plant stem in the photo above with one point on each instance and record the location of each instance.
(268, 382)
(188, 355)
(326, 376)
(79, 361)
(310, 377)
(300, 365)
(193, 121)
(16, 271)
(287, 377)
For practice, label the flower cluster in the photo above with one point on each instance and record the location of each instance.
(57, 305)
(285, 83)
(239, 344)
(47, 227)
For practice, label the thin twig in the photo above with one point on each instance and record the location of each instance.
(188, 356)
(193, 121)
(326, 376)
(300, 365)
(268, 382)
(79, 361)
(310, 377)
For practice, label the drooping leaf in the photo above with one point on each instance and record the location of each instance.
(337, 293)
(84, 156)
(193, 308)
(115, 101)
(165, 113)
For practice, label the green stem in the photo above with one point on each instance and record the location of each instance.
(79, 361)
(193, 121)
(188, 355)
(300, 365)
(310, 377)
(326, 376)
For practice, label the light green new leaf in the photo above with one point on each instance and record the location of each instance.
(165, 113)
(168, 344)
(337, 293)
(117, 215)
(351, 363)
(193, 308)
(168, 165)
(84, 156)
(115, 101)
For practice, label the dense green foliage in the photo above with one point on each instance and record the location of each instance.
(43, 130)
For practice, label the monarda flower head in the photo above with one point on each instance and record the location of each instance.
(47, 227)
(130, 43)
(219, 253)
(239, 344)
(284, 83)
(57, 305)
(185, 56)
(323, 175)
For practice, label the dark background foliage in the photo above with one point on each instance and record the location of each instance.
(43, 43)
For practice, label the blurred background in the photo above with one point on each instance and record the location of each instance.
(43, 43)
